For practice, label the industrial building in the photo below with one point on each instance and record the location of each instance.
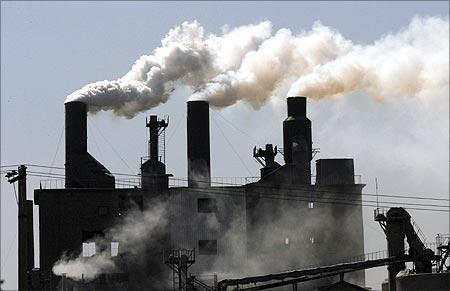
(279, 231)
(281, 221)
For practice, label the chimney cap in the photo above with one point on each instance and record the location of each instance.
(296, 106)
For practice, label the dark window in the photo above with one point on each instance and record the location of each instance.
(102, 211)
(207, 247)
(207, 205)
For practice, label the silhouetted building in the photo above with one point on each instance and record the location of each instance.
(280, 221)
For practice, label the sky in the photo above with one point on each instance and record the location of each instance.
(50, 49)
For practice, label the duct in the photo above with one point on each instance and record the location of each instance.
(82, 170)
(297, 140)
(198, 147)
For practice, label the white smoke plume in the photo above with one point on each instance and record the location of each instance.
(252, 64)
(134, 232)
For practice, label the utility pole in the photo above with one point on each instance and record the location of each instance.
(25, 250)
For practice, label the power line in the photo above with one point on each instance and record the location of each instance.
(61, 176)
(311, 197)
(235, 127)
(111, 146)
(175, 130)
(96, 145)
(276, 197)
(298, 187)
(9, 166)
(231, 146)
(57, 148)
(308, 198)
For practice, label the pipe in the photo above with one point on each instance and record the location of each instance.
(198, 144)
(153, 142)
(23, 256)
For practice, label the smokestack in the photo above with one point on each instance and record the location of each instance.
(198, 150)
(76, 142)
(297, 139)
(76, 124)
(82, 170)
(153, 142)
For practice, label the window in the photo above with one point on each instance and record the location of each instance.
(310, 205)
(206, 205)
(88, 249)
(114, 249)
(102, 211)
(207, 247)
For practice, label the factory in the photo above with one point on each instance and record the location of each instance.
(222, 229)
(285, 229)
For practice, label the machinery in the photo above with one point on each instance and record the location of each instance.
(397, 224)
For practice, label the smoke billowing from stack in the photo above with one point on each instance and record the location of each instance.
(252, 64)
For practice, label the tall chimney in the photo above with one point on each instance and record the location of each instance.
(297, 139)
(76, 143)
(76, 124)
(82, 170)
(153, 141)
(198, 149)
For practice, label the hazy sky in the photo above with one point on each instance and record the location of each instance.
(50, 49)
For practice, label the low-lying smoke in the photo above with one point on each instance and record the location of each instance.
(252, 64)
(134, 233)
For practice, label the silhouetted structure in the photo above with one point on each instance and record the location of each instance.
(232, 228)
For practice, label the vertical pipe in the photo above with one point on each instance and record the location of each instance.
(198, 144)
(23, 229)
(153, 141)
(30, 235)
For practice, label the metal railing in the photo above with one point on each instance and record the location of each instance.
(124, 183)
(418, 231)
(215, 181)
(135, 182)
(52, 184)
(356, 178)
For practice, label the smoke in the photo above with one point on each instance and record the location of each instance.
(134, 233)
(184, 57)
(252, 64)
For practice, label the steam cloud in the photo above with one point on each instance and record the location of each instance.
(252, 64)
(133, 233)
